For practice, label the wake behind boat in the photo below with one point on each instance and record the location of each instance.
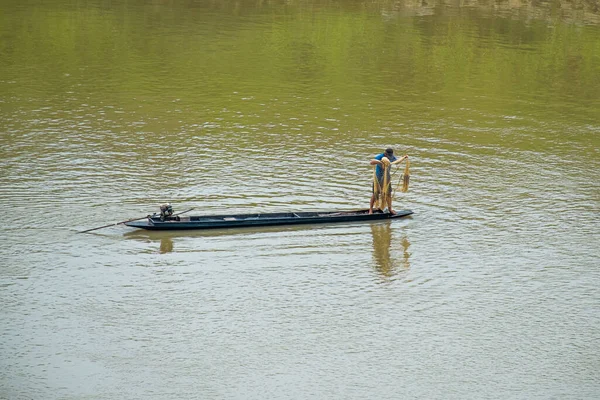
(180, 222)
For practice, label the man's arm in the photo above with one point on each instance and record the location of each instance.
(398, 161)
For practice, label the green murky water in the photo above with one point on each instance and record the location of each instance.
(108, 108)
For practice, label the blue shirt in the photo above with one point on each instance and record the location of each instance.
(379, 169)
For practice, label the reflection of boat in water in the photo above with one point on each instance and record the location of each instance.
(166, 245)
(165, 242)
(142, 234)
(167, 239)
(386, 251)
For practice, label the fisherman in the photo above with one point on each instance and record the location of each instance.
(383, 162)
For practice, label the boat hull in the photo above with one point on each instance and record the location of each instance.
(267, 219)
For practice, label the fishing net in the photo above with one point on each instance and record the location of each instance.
(405, 177)
(382, 186)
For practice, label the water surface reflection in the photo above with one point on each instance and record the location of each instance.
(166, 245)
(386, 252)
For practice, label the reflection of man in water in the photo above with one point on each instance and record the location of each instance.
(383, 253)
(382, 241)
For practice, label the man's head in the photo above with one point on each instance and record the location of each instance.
(389, 152)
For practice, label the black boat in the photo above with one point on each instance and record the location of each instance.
(180, 222)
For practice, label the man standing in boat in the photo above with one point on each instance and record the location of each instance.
(382, 183)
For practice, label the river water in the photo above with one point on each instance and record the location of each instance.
(490, 290)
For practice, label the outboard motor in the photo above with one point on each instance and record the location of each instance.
(166, 210)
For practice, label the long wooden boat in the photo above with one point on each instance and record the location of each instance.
(181, 222)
